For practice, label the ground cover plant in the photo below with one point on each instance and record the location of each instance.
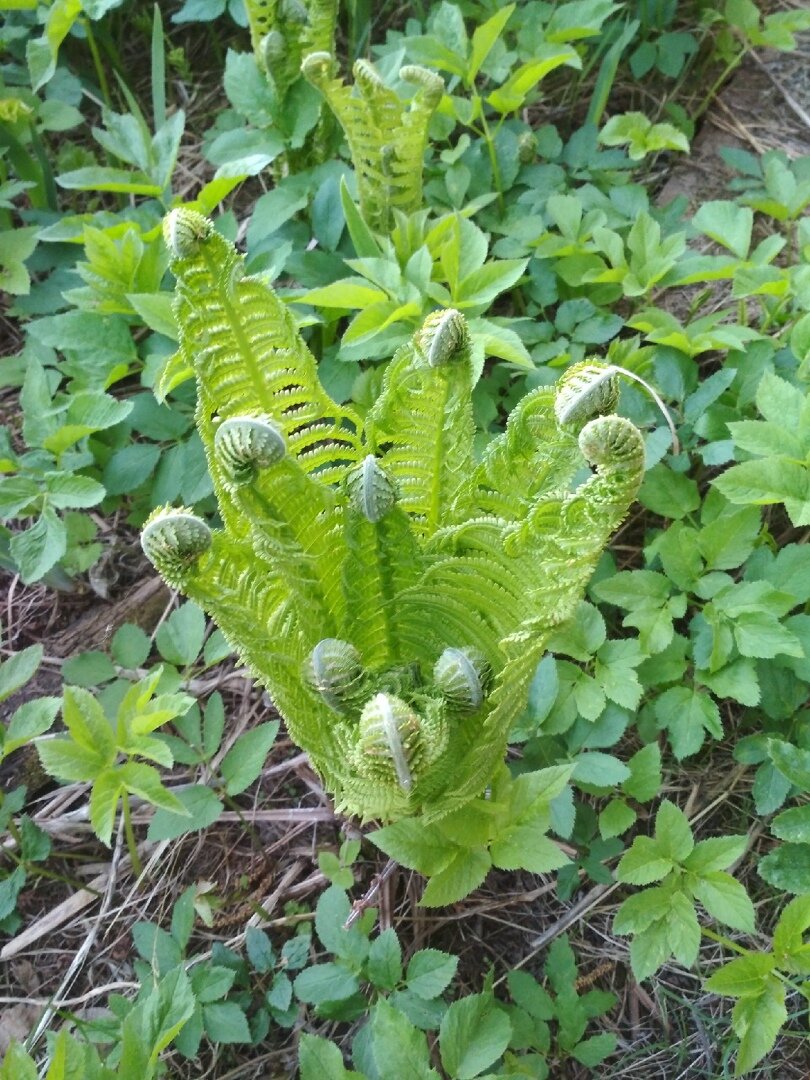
(372, 333)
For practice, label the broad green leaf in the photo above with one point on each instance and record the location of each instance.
(511, 95)
(245, 760)
(413, 845)
(757, 1021)
(645, 779)
(787, 867)
(615, 819)
(791, 761)
(473, 1035)
(38, 548)
(400, 1049)
(201, 808)
(780, 402)
(726, 223)
(180, 638)
(683, 929)
(107, 790)
(673, 835)
(530, 995)
(716, 853)
(687, 715)
(31, 719)
(789, 946)
(642, 909)
(484, 37)
(347, 293)
(643, 863)
(742, 977)
(87, 723)
(101, 178)
(384, 964)
(670, 494)
(461, 876)
(525, 847)
(592, 1051)
(429, 972)
(225, 1022)
(144, 781)
(601, 770)
(320, 1059)
(130, 646)
(18, 669)
(17, 1065)
(67, 761)
(649, 949)
(68, 490)
(725, 900)
(793, 825)
(325, 982)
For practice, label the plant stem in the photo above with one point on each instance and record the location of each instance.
(100, 73)
(129, 832)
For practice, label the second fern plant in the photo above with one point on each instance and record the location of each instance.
(393, 595)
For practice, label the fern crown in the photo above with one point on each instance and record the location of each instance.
(392, 593)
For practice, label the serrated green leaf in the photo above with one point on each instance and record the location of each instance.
(472, 1036)
(725, 900)
(787, 867)
(461, 876)
(245, 760)
(429, 972)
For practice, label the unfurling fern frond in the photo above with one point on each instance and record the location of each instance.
(392, 595)
(387, 137)
(284, 32)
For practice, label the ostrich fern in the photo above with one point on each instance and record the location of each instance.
(284, 32)
(393, 594)
(386, 136)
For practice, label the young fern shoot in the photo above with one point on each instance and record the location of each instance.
(393, 595)
(387, 137)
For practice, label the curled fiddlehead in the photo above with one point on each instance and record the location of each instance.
(334, 668)
(173, 540)
(586, 390)
(462, 676)
(245, 444)
(443, 338)
(371, 490)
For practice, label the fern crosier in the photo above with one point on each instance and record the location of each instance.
(387, 137)
(393, 594)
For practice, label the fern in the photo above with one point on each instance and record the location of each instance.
(387, 137)
(284, 32)
(393, 596)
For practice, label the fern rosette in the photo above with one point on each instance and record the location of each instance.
(392, 593)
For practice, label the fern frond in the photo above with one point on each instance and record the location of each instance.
(386, 137)
(423, 420)
(284, 32)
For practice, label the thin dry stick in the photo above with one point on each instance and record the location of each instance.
(365, 901)
(86, 946)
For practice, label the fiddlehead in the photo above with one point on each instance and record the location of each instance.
(173, 541)
(335, 670)
(245, 444)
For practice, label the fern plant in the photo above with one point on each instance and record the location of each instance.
(284, 32)
(387, 136)
(392, 594)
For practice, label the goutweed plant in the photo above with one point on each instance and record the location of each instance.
(394, 596)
